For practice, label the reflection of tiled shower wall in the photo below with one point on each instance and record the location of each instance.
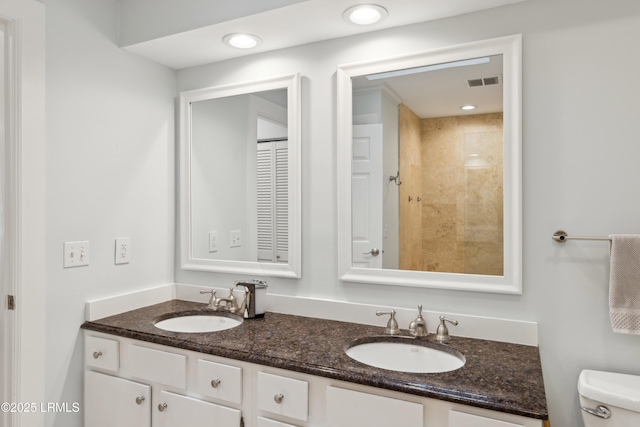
(460, 220)
(411, 177)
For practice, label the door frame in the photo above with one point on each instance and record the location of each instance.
(26, 177)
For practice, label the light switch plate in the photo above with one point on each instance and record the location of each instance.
(213, 241)
(76, 254)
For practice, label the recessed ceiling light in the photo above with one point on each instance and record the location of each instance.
(365, 14)
(468, 107)
(242, 41)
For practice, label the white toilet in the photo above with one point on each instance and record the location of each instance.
(609, 399)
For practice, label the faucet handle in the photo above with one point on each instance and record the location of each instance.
(442, 333)
(233, 302)
(392, 324)
(213, 295)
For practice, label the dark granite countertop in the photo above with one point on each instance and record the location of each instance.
(498, 376)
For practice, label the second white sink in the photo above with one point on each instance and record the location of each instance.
(198, 323)
(406, 357)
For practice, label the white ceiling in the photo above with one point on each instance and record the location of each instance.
(441, 93)
(295, 24)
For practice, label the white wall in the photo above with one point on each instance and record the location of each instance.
(580, 151)
(221, 132)
(110, 173)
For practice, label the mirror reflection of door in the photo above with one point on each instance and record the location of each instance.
(448, 213)
(366, 207)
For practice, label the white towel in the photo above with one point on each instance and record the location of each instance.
(624, 284)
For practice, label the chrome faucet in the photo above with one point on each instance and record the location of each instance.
(252, 304)
(222, 304)
(418, 328)
(230, 303)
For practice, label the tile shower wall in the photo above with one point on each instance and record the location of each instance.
(452, 213)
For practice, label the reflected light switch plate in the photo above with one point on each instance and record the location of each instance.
(235, 237)
(213, 241)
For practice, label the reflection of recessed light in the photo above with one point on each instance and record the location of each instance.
(468, 107)
(473, 155)
(365, 14)
(242, 41)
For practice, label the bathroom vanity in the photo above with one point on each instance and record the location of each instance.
(284, 370)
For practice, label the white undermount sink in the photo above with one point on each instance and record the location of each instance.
(195, 323)
(403, 356)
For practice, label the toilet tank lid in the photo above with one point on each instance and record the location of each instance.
(611, 388)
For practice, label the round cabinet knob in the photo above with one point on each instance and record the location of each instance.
(215, 383)
(97, 354)
(162, 407)
(139, 400)
(278, 398)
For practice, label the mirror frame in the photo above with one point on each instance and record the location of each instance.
(511, 281)
(293, 268)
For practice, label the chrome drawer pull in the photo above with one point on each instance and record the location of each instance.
(600, 411)
(139, 400)
(162, 407)
(215, 383)
(278, 398)
(97, 354)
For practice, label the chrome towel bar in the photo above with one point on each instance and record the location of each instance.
(561, 236)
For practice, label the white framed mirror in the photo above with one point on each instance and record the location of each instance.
(429, 193)
(240, 178)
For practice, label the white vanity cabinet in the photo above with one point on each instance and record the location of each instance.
(139, 384)
(149, 385)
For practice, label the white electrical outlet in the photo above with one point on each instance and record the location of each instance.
(123, 250)
(76, 254)
(235, 237)
(213, 241)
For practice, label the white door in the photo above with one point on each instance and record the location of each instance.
(181, 411)
(112, 401)
(366, 194)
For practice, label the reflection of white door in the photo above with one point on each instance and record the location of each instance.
(366, 195)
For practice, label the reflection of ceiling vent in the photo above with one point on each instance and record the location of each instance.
(484, 81)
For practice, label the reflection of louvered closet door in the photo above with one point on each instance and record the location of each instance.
(273, 202)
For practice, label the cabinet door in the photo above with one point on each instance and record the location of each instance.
(111, 401)
(283, 396)
(265, 422)
(181, 411)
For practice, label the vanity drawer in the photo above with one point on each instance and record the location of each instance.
(102, 353)
(460, 419)
(346, 408)
(265, 422)
(158, 366)
(220, 381)
(283, 396)
(178, 410)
